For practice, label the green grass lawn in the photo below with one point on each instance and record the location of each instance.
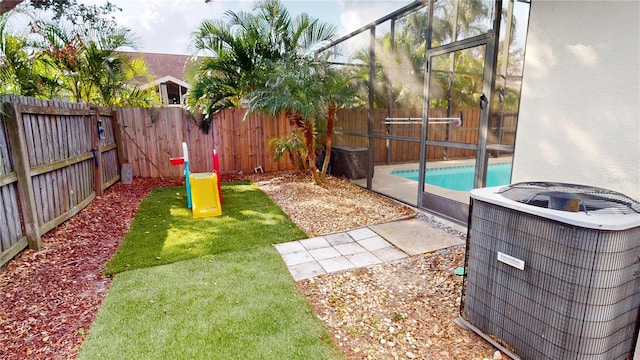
(237, 305)
(164, 231)
(210, 288)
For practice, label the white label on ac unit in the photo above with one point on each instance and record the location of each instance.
(510, 260)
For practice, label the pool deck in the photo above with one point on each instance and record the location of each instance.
(406, 190)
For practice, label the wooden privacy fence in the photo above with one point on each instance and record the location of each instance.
(54, 158)
(152, 136)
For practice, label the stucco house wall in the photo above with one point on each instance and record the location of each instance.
(580, 112)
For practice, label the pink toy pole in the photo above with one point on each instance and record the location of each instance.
(216, 169)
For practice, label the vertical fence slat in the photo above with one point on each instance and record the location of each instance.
(5, 221)
(27, 121)
(42, 143)
(139, 142)
(48, 195)
(226, 152)
(163, 140)
(14, 213)
(64, 190)
(118, 138)
(97, 152)
(5, 160)
(21, 166)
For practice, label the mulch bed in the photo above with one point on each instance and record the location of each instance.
(49, 298)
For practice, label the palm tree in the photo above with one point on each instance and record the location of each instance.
(309, 94)
(240, 51)
(75, 54)
(220, 80)
(336, 91)
(293, 88)
(265, 57)
(109, 71)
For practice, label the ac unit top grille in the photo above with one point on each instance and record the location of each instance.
(571, 197)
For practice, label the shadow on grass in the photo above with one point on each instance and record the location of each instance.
(164, 230)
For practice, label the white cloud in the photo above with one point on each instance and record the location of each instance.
(151, 17)
(165, 26)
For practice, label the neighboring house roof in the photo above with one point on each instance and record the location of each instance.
(167, 74)
(161, 66)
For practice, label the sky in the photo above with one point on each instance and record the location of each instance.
(165, 26)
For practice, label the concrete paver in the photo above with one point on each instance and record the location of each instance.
(289, 247)
(306, 270)
(315, 243)
(336, 264)
(374, 243)
(339, 238)
(362, 247)
(415, 237)
(298, 257)
(363, 259)
(361, 233)
(324, 253)
(389, 254)
(348, 249)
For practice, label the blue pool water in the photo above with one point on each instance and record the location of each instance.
(460, 177)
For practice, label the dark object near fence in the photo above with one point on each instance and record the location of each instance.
(349, 162)
(320, 160)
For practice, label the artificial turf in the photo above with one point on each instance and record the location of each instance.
(164, 230)
(211, 288)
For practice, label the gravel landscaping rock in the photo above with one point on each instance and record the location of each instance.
(401, 310)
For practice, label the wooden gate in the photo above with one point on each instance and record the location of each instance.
(54, 158)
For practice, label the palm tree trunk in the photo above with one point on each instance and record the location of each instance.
(331, 118)
(296, 120)
(310, 139)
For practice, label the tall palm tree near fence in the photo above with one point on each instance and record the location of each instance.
(336, 92)
(241, 49)
(309, 93)
(294, 88)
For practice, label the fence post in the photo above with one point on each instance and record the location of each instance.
(22, 167)
(97, 154)
(117, 134)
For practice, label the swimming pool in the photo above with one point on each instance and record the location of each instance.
(460, 177)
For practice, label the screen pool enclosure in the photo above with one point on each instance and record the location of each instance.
(553, 270)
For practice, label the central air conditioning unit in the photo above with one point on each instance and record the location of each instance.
(553, 271)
